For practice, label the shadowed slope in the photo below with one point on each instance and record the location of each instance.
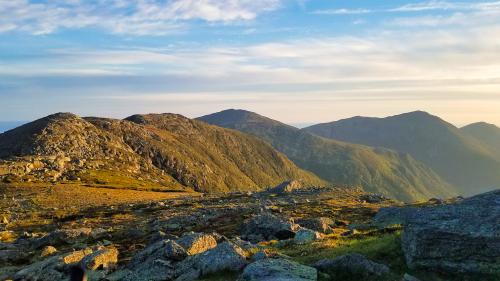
(376, 170)
(455, 156)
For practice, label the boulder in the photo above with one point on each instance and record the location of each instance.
(52, 268)
(150, 264)
(305, 235)
(174, 251)
(461, 238)
(352, 267)
(266, 226)
(277, 269)
(48, 251)
(321, 224)
(408, 277)
(195, 243)
(225, 257)
(101, 259)
(286, 187)
(63, 236)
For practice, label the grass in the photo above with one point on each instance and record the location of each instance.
(383, 248)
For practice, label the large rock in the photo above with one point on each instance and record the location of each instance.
(461, 238)
(52, 268)
(352, 267)
(286, 187)
(152, 263)
(195, 243)
(268, 227)
(278, 270)
(101, 259)
(305, 235)
(225, 257)
(63, 236)
(321, 224)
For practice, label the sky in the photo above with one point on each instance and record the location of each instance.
(297, 61)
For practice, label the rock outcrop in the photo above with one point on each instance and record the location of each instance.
(352, 267)
(267, 226)
(278, 269)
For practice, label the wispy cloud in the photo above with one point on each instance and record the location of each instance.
(136, 17)
(342, 12)
(445, 5)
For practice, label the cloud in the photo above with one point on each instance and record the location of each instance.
(445, 5)
(342, 12)
(135, 17)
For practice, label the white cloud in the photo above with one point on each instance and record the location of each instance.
(446, 5)
(342, 12)
(137, 17)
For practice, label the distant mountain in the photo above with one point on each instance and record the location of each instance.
(165, 150)
(376, 170)
(456, 156)
(8, 125)
(486, 133)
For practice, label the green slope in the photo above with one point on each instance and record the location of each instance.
(487, 134)
(458, 158)
(376, 170)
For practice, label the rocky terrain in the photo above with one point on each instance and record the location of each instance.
(283, 234)
(162, 152)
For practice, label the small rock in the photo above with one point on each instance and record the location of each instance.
(174, 251)
(322, 224)
(268, 227)
(48, 251)
(195, 243)
(408, 277)
(306, 236)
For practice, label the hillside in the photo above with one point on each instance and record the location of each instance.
(178, 153)
(487, 134)
(376, 170)
(461, 160)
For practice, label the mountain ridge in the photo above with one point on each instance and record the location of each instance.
(458, 158)
(377, 170)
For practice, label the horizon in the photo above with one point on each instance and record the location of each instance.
(12, 124)
(280, 58)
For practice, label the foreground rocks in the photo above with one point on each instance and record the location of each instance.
(268, 227)
(352, 267)
(461, 238)
(278, 269)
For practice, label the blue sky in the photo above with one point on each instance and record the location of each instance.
(294, 60)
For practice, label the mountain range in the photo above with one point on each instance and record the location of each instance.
(409, 157)
(467, 158)
(378, 170)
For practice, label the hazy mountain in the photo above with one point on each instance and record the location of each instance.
(458, 158)
(166, 149)
(486, 133)
(376, 170)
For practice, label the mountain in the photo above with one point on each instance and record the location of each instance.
(169, 151)
(458, 158)
(487, 134)
(377, 170)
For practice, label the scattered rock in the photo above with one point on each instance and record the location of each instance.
(321, 224)
(174, 251)
(373, 198)
(65, 236)
(195, 243)
(278, 269)
(352, 267)
(13, 256)
(101, 259)
(48, 251)
(225, 257)
(306, 236)
(268, 227)
(286, 187)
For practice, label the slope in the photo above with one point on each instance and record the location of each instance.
(456, 157)
(376, 170)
